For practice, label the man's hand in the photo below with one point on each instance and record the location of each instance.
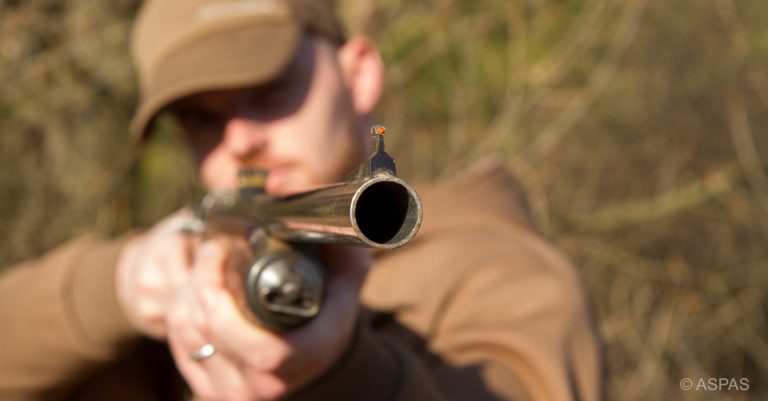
(250, 362)
(151, 269)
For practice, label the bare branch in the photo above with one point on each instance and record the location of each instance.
(668, 204)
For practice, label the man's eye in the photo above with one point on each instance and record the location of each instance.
(278, 98)
(198, 120)
(271, 96)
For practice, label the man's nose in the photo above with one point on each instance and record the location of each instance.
(245, 137)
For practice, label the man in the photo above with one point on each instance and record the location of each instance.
(477, 307)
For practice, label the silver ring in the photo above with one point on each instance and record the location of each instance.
(206, 351)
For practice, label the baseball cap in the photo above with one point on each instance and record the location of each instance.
(183, 47)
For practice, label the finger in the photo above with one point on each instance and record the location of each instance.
(188, 229)
(183, 337)
(193, 372)
(173, 248)
(281, 356)
(214, 256)
(176, 259)
(225, 323)
(220, 264)
(238, 335)
(216, 376)
(226, 378)
(210, 261)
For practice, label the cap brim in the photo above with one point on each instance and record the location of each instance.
(240, 56)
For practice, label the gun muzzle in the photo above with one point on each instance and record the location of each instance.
(381, 211)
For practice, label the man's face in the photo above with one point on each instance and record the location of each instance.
(302, 126)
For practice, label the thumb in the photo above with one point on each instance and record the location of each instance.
(209, 264)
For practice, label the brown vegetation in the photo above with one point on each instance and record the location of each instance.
(638, 128)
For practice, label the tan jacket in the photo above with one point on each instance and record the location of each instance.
(477, 307)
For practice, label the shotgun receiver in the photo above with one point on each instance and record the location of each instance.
(284, 287)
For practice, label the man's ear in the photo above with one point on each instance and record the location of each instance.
(363, 73)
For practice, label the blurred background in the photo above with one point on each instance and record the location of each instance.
(637, 126)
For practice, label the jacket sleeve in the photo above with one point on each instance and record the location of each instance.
(60, 317)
